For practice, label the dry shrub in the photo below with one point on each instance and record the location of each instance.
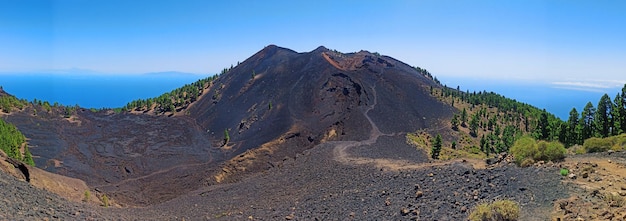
(500, 210)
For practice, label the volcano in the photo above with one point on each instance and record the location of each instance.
(278, 132)
(274, 105)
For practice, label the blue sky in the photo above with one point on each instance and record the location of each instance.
(569, 43)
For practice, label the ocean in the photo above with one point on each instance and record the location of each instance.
(93, 91)
(110, 91)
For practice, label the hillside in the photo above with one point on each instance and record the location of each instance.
(289, 135)
(274, 105)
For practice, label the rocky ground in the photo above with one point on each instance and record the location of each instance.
(315, 185)
(22, 201)
(598, 184)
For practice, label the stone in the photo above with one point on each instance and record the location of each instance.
(571, 176)
(419, 194)
(404, 211)
(290, 217)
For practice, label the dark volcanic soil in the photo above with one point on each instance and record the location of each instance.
(330, 147)
(22, 201)
(316, 186)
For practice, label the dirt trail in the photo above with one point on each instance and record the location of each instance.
(341, 155)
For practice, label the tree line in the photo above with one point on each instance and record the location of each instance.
(178, 98)
(11, 142)
(606, 119)
(513, 119)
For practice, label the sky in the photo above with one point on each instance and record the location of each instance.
(567, 43)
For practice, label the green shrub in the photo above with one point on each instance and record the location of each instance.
(595, 144)
(505, 210)
(564, 172)
(619, 142)
(524, 148)
(554, 151)
(481, 212)
(498, 210)
(526, 151)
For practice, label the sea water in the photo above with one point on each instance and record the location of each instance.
(93, 90)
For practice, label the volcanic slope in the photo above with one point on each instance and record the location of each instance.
(372, 174)
(274, 105)
(279, 103)
(311, 135)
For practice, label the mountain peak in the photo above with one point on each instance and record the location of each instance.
(321, 48)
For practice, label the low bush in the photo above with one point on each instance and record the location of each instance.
(595, 144)
(616, 143)
(481, 212)
(105, 200)
(498, 210)
(551, 151)
(87, 196)
(526, 151)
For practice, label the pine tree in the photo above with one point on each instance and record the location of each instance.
(619, 112)
(622, 111)
(474, 125)
(508, 136)
(616, 115)
(602, 119)
(543, 130)
(572, 136)
(587, 121)
(436, 149)
(463, 117)
(455, 122)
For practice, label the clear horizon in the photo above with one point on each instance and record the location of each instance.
(575, 45)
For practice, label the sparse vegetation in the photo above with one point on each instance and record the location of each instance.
(7, 103)
(226, 137)
(105, 200)
(86, 196)
(527, 151)
(614, 200)
(505, 210)
(564, 171)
